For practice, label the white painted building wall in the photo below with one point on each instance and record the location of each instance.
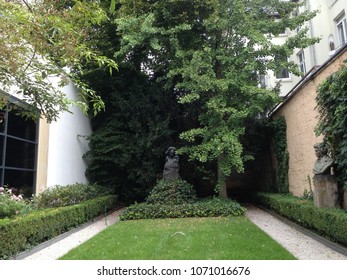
(67, 145)
(323, 26)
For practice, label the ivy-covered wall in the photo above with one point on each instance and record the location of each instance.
(332, 106)
(301, 114)
(281, 155)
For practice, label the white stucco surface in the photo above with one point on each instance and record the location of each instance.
(67, 144)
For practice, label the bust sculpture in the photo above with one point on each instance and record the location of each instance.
(323, 162)
(171, 166)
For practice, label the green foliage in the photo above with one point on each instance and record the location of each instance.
(209, 53)
(171, 192)
(129, 139)
(17, 235)
(217, 238)
(328, 222)
(59, 196)
(209, 207)
(282, 156)
(11, 204)
(44, 45)
(332, 106)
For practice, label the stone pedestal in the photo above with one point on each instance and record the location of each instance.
(345, 199)
(325, 194)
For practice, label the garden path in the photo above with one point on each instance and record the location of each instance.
(299, 244)
(302, 246)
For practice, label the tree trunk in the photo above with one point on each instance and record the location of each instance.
(221, 179)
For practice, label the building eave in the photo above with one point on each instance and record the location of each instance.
(316, 70)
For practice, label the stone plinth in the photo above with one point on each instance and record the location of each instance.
(345, 199)
(325, 194)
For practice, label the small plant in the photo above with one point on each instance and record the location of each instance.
(11, 203)
(308, 194)
(58, 196)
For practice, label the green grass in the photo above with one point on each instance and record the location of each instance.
(222, 238)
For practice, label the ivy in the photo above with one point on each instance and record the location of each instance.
(282, 157)
(332, 107)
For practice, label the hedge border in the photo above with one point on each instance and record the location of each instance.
(212, 207)
(331, 223)
(24, 232)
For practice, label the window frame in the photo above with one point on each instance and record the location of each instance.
(4, 134)
(301, 62)
(341, 27)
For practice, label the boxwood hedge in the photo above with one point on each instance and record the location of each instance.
(23, 232)
(331, 223)
(202, 208)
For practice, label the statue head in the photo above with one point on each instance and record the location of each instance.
(320, 149)
(323, 163)
(171, 152)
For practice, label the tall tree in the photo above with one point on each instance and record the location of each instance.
(43, 42)
(210, 52)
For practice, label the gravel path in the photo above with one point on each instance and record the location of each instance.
(300, 245)
(53, 250)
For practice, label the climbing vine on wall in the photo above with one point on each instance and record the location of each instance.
(281, 153)
(332, 107)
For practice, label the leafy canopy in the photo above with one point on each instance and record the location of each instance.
(210, 52)
(43, 45)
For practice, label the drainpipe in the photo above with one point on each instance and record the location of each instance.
(313, 47)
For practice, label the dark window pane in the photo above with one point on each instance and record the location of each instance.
(20, 154)
(20, 127)
(23, 181)
(282, 73)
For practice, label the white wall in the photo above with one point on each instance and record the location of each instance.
(66, 147)
(322, 26)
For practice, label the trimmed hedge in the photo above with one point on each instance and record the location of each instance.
(175, 191)
(331, 223)
(24, 232)
(203, 208)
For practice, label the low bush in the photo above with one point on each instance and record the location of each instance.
(211, 207)
(171, 192)
(11, 204)
(26, 231)
(59, 196)
(331, 223)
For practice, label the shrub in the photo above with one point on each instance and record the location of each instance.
(331, 223)
(210, 207)
(10, 203)
(59, 196)
(17, 235)
(171, 192)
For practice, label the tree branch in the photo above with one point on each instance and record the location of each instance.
(28, 6)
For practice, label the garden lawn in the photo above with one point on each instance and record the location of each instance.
(221, 238)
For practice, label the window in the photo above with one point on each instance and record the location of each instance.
(301, 61)
(263, 81)
(281, 69)
(341, 30)
(282, 73)
(18, 149)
